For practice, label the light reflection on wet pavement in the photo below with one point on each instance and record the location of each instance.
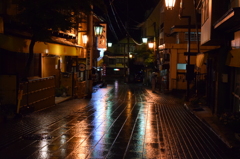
(120, 121)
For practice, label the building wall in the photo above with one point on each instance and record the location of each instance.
(171, 18)
(13, 63)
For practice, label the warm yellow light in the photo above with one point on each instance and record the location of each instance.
(150, 45)
(170, 4)
(85, 39)
(130, 55)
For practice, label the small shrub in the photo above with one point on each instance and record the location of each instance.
(59, 91)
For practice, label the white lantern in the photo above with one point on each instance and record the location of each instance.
(144, 40)
(84, 39)
(170, 4)
(98, 29)
(109, 44)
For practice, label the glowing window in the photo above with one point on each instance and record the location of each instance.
(181, 66)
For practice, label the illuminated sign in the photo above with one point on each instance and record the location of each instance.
(102, 39)
(104, 70)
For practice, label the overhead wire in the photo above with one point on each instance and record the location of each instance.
(124, 26)
(114, 15)
(119, 22)
(111, 27)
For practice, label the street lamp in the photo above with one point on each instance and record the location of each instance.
(98, 29)
(170, 4)
(150, 45)
(144, 40)
(84, 39)
(109, 44)
(130, 56)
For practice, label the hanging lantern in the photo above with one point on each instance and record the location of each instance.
(109, 44)
(84, 39)
(170, 4)
(144, 40)
(150, 45)
(98, 29)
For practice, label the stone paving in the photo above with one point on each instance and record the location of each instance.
(120, 121)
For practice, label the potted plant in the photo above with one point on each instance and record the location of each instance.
(60, 91)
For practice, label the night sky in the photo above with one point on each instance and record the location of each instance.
(123, 12)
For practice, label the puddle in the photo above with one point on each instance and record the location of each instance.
(37, 136)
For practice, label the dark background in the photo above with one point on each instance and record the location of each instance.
(123, 16)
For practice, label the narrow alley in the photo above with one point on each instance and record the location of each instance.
(120, 121)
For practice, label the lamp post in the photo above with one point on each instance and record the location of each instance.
(170, 5)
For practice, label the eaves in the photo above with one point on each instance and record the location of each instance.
(230, 21)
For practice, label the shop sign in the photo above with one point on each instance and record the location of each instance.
(104, 70)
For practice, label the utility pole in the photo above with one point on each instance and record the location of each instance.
(128, 41)
(89, 55)
(128, 58)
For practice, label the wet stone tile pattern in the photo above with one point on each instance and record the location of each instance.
(120, 121)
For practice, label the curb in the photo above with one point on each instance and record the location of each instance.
(224, 140)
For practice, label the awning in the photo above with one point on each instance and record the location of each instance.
(233, 58)
(16, 44)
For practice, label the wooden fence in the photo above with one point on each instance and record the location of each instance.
(36, 94)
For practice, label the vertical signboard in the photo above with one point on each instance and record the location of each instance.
(102, 39)
(104, 70)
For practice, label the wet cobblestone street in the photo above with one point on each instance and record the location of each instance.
(120, 121)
